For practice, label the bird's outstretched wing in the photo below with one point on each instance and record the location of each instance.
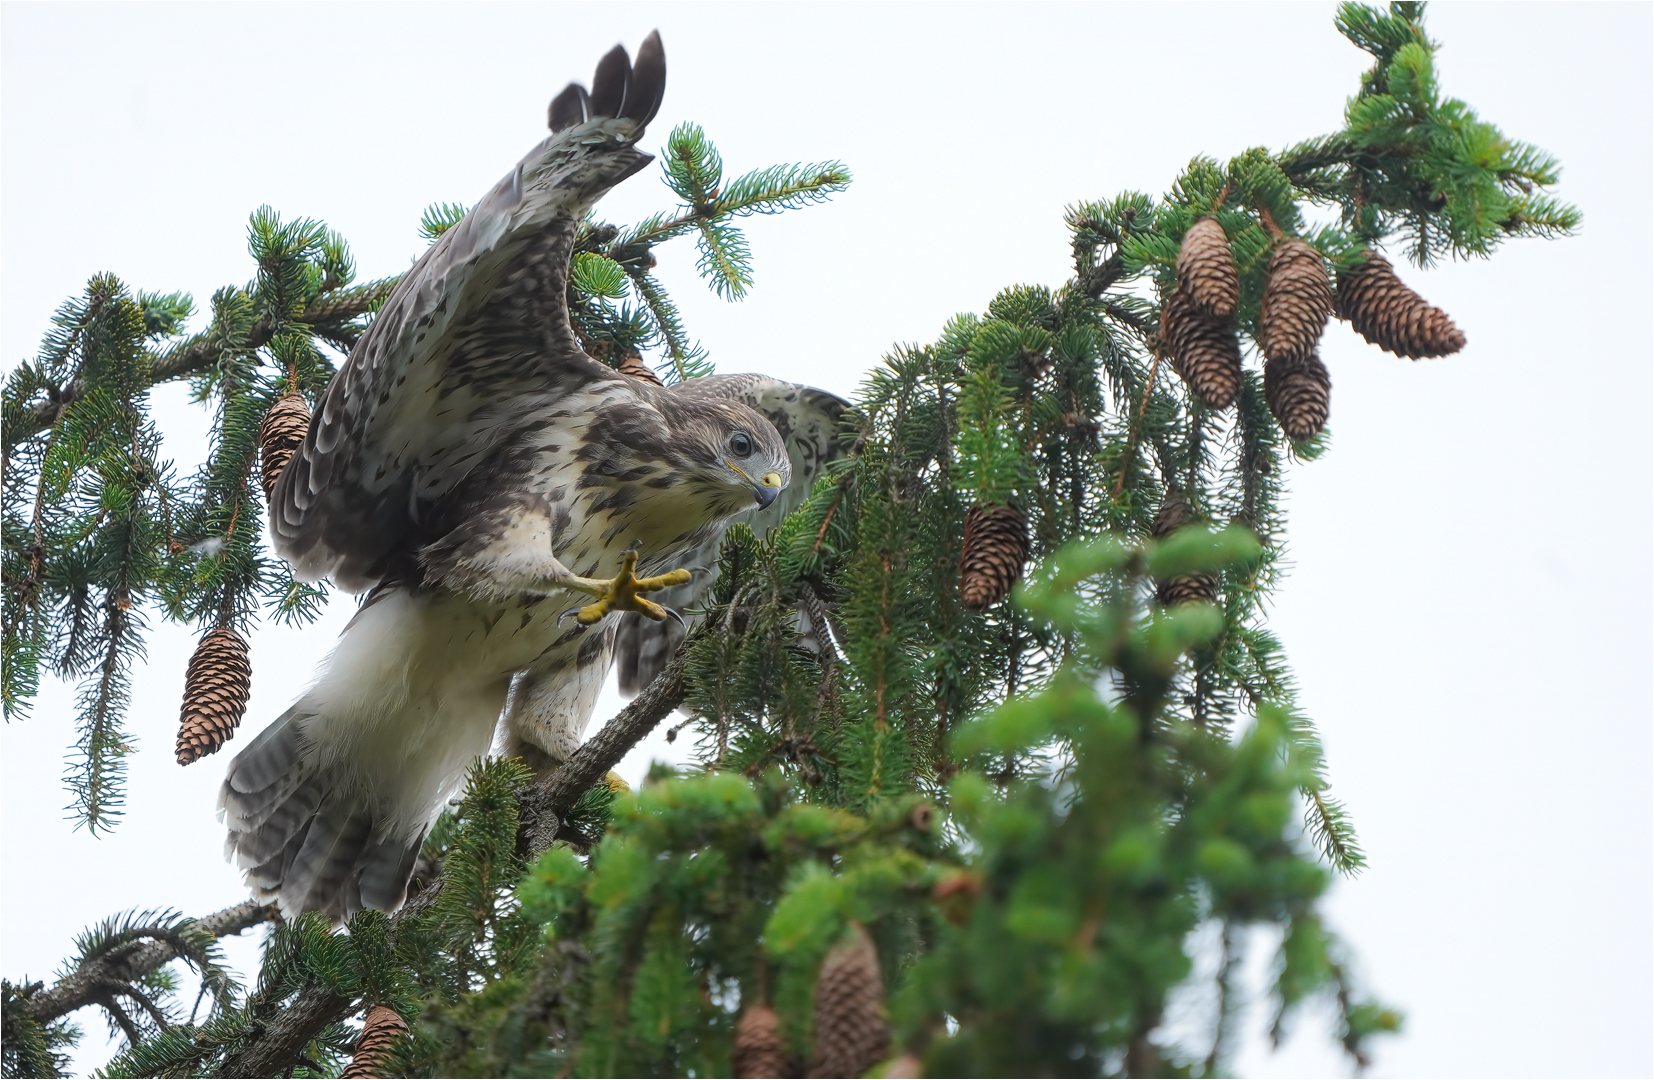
(808, 420)
(472, 347)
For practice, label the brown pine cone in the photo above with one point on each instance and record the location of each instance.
(279, 437)
(1206, 270)
(632, 364)
(1392, 316)
(1299, 393)
(1297, 301)
(851, 1033)
(1174, 513)
(1186, 588)
(379, 1030)
(1203, 351)
(216, 685)
(759, 1051)
(996, 546)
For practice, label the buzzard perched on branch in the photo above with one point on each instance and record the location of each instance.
(474, 471)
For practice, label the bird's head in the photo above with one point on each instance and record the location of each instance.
(742, 460)
(681, 464)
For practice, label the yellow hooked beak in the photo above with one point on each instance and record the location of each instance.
(765, 490)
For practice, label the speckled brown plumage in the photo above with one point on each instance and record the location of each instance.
(478, 476)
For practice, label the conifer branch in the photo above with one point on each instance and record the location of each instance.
(131, 962)
(544, 804)
(279, 1042)
(326, 315)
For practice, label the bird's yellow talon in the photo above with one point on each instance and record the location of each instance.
(623, 593)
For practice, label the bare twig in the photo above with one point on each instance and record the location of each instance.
(1131, 441)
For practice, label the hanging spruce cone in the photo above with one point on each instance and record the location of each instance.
(1186, 588)
(632, 364)
(996, 546)
(851, 1033)
(216, 686)
(1203, 351)
(759, 1051)
(1299, 393)
(1206, 270)
(1297, 301)
(279, 437)
(1175, 512)
(379, 1030)
(1392, 316)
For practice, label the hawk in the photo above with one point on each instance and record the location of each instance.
(472, 470)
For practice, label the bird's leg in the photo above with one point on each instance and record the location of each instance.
(624, 592)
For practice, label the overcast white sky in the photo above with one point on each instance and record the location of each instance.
(1470, 607)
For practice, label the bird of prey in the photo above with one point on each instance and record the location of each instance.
(473, 471)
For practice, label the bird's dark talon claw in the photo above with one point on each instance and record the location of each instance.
(698, 570)
(676, 616)
(566, 614)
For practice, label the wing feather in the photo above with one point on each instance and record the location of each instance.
(648, 86)
(472, 346)
(614, 75)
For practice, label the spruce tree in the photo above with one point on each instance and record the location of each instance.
(969, 828)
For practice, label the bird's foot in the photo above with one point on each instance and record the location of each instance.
(624, 593)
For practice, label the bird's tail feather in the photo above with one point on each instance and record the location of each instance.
(308, 835)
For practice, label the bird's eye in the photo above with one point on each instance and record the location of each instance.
(739, 444)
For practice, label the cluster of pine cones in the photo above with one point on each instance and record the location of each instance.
(219, 678)
(1196, 323)
(851, 1033)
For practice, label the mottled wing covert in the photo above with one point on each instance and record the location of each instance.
(808, 420)
(473, 345)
